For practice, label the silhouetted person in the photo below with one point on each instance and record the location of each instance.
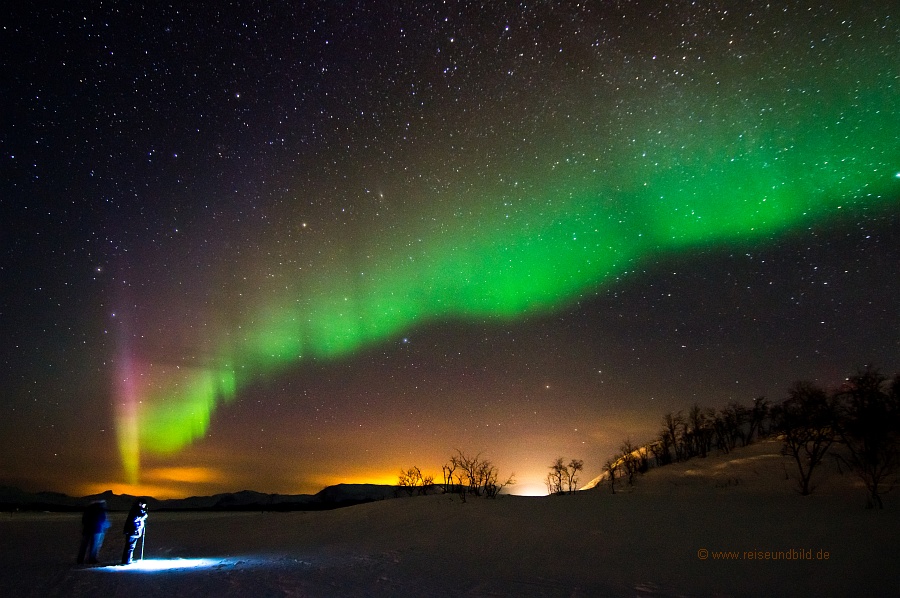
(94, 524)
(134, 529)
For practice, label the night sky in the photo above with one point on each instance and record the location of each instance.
(280, 245)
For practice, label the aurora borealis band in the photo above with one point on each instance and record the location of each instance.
(265, 196)
(538, 256)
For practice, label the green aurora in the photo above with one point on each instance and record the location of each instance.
(650, 176)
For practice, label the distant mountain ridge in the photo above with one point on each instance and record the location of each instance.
(332, 497)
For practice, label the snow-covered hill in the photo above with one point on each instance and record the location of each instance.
(712, 527)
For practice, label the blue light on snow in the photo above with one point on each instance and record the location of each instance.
(151, 565)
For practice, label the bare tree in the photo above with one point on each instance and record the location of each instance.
(410, 479)
(870, 428)
(461, 485)
(661, 449)
(427, 483)
(575, 465)
(728, 427)
(611, 468)
(487, 476)
(806, 421)
(558, 473)
(448, 469)
(478, 476)
(673, 433)
(630, 460)
(493, 486)
(471, 470)
(759, 413)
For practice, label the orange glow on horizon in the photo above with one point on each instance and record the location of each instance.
(189, 475)
(163, 483)
(380, 476)
(528, 489)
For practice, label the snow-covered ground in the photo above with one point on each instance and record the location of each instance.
(646, 541)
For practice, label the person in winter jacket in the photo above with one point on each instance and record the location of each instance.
(134, 529)
(94, 523)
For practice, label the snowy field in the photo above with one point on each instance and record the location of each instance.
(645, 541)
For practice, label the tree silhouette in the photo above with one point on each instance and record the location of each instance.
(410, 479)
(870, 428)
(611, 468)
(478, 476)
(662, 449)
(557, 476)
(630, 460)
(673, 432)
(733, 418)
(759, 413)
(448, 469)
(575, 465)
(807, 421)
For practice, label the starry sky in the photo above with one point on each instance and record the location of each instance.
(281, 245)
